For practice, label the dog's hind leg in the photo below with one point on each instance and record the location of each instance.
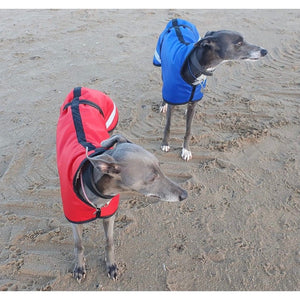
(165, 143)
(79, 270)
(111, 266)
(186, 154)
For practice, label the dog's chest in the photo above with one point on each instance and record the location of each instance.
(200, 80)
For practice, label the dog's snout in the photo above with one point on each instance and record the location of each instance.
(263, 52)
(183, 195)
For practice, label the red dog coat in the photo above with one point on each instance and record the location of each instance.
(86, 117)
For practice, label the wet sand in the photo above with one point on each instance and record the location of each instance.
(239, 229)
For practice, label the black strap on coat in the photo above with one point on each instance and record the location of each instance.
(74, 104)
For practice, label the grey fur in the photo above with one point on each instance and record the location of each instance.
(126, 167)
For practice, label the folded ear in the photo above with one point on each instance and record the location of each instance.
(105, 163)
(117, 138)
(208, 33)
(206, 42)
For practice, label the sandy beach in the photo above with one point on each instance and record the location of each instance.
(239, 229)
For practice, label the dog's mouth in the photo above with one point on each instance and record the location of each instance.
(211, 69)
(152, 195)
(250, 58)
(254, 55)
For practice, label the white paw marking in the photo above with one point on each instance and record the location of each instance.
(163, 108)
(186, 154)
(165, 148)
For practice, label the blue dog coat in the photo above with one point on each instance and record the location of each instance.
(174, 45)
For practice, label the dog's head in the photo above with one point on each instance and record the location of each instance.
(129, 167)
(225, 45)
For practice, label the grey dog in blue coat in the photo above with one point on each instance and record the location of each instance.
(186, 59)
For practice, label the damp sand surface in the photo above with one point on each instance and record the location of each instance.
(239, 229)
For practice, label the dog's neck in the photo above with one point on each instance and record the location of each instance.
(92, 186)
(195, 66)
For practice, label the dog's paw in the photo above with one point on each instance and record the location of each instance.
(79, 273)
(186, 154)
(165, 148)
(163, 108)
(112, 272)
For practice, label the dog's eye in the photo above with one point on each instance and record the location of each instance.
(153, 177)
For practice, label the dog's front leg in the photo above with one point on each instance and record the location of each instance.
(79, 270)
(165, 143)
(111, 266)
(186, 154)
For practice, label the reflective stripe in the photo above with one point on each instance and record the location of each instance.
(111, 117)
(157, 57)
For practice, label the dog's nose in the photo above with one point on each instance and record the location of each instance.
(263, 52)
(183, 195)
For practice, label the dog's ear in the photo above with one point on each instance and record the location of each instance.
(117, 138)
(207, 42)
(209, 33)
(105, 163)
